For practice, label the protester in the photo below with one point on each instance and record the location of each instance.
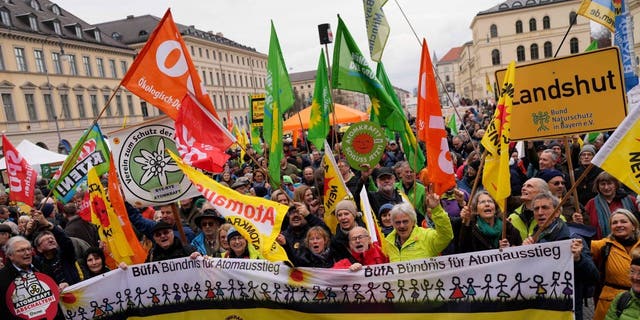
(209, 221)
(93, 263)
(146, 226)
(20, 254)
(78, 227)
(409, 241)
(5, 234)
(316, 251)
(348, 218)
(628, 308)
(222, 238)
(612, 256)
(362, 251)
(386, 226)
(609, 197)
(166, 246)
(585, 188)
(523, 217)
(238, 247)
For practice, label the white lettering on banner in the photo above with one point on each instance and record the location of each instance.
(533, 278)
(436, 122)
(14, 167)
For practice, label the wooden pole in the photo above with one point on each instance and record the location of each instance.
(176, 217)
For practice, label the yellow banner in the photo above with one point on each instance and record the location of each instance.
(334, 188)
(257, 219)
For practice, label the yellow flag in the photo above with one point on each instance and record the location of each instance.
(496, 175)
(257, 219)
(488, 83)
(335, 189)
(620, 155)
(109, 228)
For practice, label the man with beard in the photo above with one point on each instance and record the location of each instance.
(300, 221)
(522, 218)
(307, 177)
(363, 252)
(387, 193)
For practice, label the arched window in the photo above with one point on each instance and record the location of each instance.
(493, 30)
(518, 26)
(495, 57)
(532, 24)
(573, 17)
(520, 53)
(573, 45)
(546, 22)
(548, 50)
(534, 52)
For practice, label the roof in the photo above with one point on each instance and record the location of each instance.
(451, 56)
(302, 76)
(518, 4)
(46, 14)
(134, 29)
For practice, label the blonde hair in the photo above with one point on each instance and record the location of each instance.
(632, 218)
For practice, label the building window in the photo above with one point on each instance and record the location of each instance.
(534, 52)
(495, 57)
(119, 106)
(532, 25)
(518, 26)
(21, 60)
(57, 64)
(31, 106)
(143, 107)
(81, 111)
(573, 18)
(78, 31)
(5, 17)
(130, 104)
(124, 67)
(200, 52)
(493, 30)
(204, 77)
(40, 64)
(56, 28)
(106, 100)
(7, 103)
(548, 50)
(100, 64)
(546, 22)
(210, 78)
(73, 67)
(96, 35)
(33, 23)
(56, 9)
(64, 101)
(112, 68)
(573, 45)
(193, 51)
(1, 59)
(86, 62)
(94, 105)
(207, 52)
(34, 4)
(520, 53)
(48, 105)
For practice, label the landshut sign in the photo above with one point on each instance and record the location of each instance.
(570, 95)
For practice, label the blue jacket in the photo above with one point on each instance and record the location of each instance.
(145, 226)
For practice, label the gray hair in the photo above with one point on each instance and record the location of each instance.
(405, 208)
(543, 186)
(632, 218)
(547, 195)
(554, 156)
(9, 247)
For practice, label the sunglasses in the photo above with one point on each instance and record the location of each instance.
(209, 224)
(162, 233)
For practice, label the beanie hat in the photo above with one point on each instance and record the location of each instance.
(232, 233)
(588, 148)
(548, 174)
(348, 205)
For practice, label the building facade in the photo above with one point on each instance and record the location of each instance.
(57, 74)
(231, 72)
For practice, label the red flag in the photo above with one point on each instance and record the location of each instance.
(163, 71)
(84, 207)
(22, 177)
(200, 138)
(431, 127)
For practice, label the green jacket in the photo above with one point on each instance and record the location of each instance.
(416, 197)
(422, 243)
(518, 223)
(632, 312)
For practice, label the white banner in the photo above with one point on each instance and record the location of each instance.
(534, 280)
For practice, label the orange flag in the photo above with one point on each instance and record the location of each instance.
(163, 71)
(431, 127)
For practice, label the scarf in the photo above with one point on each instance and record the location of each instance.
(603, 212)
(492, 232)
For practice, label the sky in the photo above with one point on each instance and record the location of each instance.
(444, 24)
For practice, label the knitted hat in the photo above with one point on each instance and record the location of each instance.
(588, 148)
(348, 205)
(384, 208)
(548, 174)
(232, 233)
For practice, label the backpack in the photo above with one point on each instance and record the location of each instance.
(623, 303)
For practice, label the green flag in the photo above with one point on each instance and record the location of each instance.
(377, 27)
(592, 46)
(279, 98)
(352, 72)
(320, 106)
(256, 144)
(90, 151)
(452, 125)
(414, 155)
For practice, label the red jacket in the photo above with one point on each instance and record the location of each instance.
(373, 255)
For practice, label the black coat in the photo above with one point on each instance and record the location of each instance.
(176, 250)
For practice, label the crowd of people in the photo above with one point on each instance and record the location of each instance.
(601, 217)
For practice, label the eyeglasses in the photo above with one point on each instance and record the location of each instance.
(208, 223)
(634, 273)
(557, 183)
(360, 237)
(162, 233)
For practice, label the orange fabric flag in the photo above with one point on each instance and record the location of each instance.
(431, 127)
(163, 71)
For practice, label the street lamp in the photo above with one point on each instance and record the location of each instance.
(49, 85)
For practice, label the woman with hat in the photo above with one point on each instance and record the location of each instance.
(239, 248)
(585, 188)
(348, 218)
(206, 242)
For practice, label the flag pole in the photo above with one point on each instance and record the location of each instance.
(178, 220)
(564, 199)
(572, 178)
